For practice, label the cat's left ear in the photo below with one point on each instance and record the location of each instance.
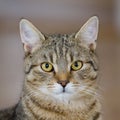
(89, 32)
(31, 37)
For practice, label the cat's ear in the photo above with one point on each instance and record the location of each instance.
(89, 32)
(31, 37)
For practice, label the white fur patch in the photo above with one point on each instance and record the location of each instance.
(57, 91)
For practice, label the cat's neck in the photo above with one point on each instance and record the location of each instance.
(39, 106)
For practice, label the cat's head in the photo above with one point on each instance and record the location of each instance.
(63, 67)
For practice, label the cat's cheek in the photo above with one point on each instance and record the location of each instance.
(57, 89)
(70, 89)
(43, 90)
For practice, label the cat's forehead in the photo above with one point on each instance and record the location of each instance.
(60, 40)
(61, 46)
(65, 43)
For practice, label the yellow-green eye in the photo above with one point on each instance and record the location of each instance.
(47, 67)
(77, 65)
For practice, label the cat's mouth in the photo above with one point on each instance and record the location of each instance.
(58, 89)
(64, 90)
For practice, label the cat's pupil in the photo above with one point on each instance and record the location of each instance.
(76, 64)
(47, 65)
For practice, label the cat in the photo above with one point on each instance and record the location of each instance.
(61, 74)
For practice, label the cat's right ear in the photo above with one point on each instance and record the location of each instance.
(89, 32)
(31, 37)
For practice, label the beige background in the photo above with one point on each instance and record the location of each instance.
(58, 16)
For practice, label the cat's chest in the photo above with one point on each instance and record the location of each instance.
(34, 111)
(56, 116)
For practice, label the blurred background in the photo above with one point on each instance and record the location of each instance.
(60, 16)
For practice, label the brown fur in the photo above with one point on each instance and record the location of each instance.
(43, 107)
(63, 93)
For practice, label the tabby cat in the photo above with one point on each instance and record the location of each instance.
(61, 74)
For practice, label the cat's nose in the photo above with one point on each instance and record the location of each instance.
(63, 82)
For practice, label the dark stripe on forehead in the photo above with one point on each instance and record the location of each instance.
(48, 56)
(71, 57)
(45, 57)
(58, 48)
(51, 58)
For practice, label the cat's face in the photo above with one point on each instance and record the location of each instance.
(63, 67)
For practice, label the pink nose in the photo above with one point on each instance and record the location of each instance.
(63, 82)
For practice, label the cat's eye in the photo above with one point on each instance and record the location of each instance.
(77, 65)
(47, 67)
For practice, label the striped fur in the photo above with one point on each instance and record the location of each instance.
(43, 97)
(61, 51)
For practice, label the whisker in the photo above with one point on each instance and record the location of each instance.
(93, 94)
(89, 90)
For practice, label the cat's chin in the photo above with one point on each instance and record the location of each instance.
(63, 96)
